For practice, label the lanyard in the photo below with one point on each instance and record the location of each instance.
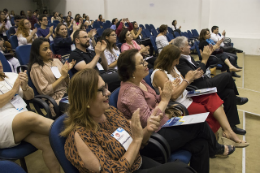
(8, 84)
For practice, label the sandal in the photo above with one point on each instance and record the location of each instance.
(221, 150)
(227, 141)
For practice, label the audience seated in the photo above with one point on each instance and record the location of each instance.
(126, 38)
(45, 12)
(49, 75)
(222, 56)
(24, 33)
(175, 27)
(70, 15)
(229, 50)
(55, 17)
(44, 30)
(88, 22)
(12, 14)
(114, 22)
(31, 18)
(4, 25)
(62, 41)
(161, 39)
(92, 41)
(69, 23)
(7, 15)
(136, 94)
(226, 87)
(13, 29)
(112, 51)
(90, 127)
(165, 69)
(100, 18)
(86, 58)
(17, 123)
(76, 19)
(121, 25)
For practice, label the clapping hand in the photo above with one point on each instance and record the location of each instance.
(136, 127)
(207, 51)
(51, 29)
(224, 33)
(24, 79)
(176, 83)
(92, 33)
(100, 47)
(71, 64)
(166, 93)
(76, 27)
(198, 73)
(153, 122)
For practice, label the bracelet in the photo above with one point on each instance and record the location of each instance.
(186, 81)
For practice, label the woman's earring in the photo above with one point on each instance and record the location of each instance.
(88, 106)
(133, 77)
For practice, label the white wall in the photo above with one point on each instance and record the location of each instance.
(18, 5)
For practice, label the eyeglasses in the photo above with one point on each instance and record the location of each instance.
(113, 35)
(144, 63)
(103, 89)
(27, 23)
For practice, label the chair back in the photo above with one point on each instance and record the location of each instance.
(197, 49)
(8, 34)
(8, 166)
(114, 97)
(152, 38)
(5, 63)
(14, 42)
(96, 25)
(177, 34)
(144, 34)
(190, 34)
(100, 31)
(142, 26)
(57, 143)
(154, 32)
(148, 78)
(147, 32)
(170, 30)
(169, 36)
(195, 33)
(152, 26)
(23, 54)
(30, 83)
(56, 22)
(148, 27)
(12, 21)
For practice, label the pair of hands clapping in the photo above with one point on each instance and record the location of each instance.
(22, 80)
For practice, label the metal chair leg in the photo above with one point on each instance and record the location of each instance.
(23, 164)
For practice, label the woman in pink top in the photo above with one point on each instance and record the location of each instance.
(127, 39)
(135, 93)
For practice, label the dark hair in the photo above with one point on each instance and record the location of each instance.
(165, 59)
(76, 34)
(40, 18)
(69, 12)
(122, 35)
(163, 28)
(35, 52)
(22, 13)
(58, 28)
(203, 32)
(173, 22)
(118, 23)
(45, 11)
(17, 17)
(113, 21)
(77, 18)
(126, 64)
(99, 16)
(214, 28)
(5, 10)
(5, 20)
(106, 33)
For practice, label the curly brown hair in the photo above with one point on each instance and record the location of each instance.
(21, 29)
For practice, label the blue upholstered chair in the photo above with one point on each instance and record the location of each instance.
(8, 166)
(14, 42)
(23, 54)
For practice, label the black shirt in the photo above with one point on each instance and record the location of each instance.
(202, 44)
(62, 46)
(12, 30)
(79, 55)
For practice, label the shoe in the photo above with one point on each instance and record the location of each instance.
(221, 150)
(238, 67)
(239, 51)
(241, 100)
(238, 130)
(235, 75)
(227, 141)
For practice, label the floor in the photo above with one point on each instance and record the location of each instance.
(242, 160)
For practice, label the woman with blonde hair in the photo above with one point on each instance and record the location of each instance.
(24, 33)
(92, 128)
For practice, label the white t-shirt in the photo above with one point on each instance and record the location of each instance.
(22, 40)
(8, 25)
(111, 57)
(161, 42)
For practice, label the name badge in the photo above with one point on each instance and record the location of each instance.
(123, 137)
(50, 38)
(56, 72)
(18, 102)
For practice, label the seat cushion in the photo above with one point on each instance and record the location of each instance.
(181, 155)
